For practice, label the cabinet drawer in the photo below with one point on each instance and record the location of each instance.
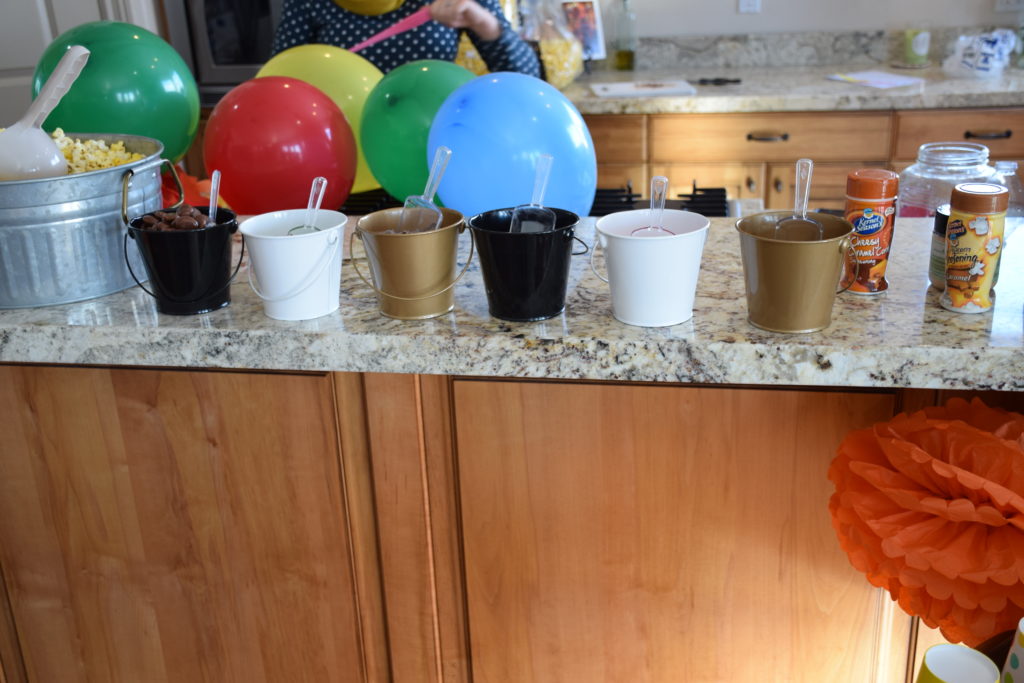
(618, 138)
(769, 137)
(1001, 130)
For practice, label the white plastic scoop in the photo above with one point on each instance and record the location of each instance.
(26, 150)
(316, 197)
(211, 213)
(535, 217)
(420, 213)
(659, 188)
(798, 227)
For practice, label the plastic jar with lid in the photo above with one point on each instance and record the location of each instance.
(940, 167)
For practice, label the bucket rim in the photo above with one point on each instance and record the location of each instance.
(245, 226)
(108, 138)
(558, 212)
(231, 224)
(785, 213)
(703, 227)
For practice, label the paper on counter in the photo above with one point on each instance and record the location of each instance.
(877, 79)
(643, 88)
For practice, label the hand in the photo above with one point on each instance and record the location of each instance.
(466, 14)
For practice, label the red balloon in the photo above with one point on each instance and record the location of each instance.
(270, 137)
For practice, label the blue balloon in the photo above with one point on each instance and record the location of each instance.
(497, 126)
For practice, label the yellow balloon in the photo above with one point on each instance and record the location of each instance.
(343, 76)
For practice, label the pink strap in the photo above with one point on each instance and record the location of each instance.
(417, 18)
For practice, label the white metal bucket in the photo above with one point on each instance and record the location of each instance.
(653, 279)
(297, 276)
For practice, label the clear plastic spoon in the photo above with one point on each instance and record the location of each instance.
(26, 150)
(535, 217)
(420, 213)
(799, 227)
(659, 189)
(316, 196)
(211, 214)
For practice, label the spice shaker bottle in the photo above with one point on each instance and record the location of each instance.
(974, 241)
(871, 209)
(937, 257)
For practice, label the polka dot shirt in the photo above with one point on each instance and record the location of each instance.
(324, 21)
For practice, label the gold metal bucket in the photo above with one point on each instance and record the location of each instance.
(413, 274)
(791, 285)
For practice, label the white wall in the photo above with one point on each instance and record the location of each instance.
(715, 17)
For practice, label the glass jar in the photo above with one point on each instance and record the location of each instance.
(939, 168)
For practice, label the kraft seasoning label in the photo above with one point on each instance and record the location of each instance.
(973, 245)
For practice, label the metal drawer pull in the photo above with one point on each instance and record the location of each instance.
(996, 135)
(779, 186)
(751, 185)
(767, 137)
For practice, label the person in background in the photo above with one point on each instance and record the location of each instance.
(345, 23)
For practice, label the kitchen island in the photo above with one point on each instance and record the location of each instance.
(227, 497)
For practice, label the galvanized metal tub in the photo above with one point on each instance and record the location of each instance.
(61, 238)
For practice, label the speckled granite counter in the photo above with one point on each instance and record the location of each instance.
(899, 339)
(799, 88)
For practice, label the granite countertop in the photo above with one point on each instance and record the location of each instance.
(797, 88)
(899, 339)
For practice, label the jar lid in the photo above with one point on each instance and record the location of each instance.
(980, 198)
(872, 183)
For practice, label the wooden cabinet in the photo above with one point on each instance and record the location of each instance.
(752, 155)
(180, 526)
(176, 526)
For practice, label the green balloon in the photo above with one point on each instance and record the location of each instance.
(396, 122)
(133, 84)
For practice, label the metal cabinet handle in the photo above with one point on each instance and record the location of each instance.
(767, 137)
(779, 186)
(751, 185)
(994, 135)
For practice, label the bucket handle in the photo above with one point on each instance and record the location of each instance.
(126, 181)
(597, 243)
(313, 276)
(585, 247)
(355, 264)
(227, 284)
(846, 245)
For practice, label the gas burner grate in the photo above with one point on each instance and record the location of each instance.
(362, 203)
(705, 201)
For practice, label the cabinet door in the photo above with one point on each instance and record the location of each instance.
(663, 534)
(828, 184)
(741, 181)
(621, 176)
(175, 526)
(618, 138)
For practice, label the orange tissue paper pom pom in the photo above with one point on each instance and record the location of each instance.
(930, 507)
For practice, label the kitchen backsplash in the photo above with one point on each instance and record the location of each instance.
(870, 48)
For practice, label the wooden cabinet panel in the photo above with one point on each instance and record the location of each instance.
(618, 138)
(175, 526)
(633, 533)
(769, 137)
(1001, 130)
(828, 184)
(741, 181)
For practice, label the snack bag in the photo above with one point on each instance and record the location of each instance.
(560, 51)
(468, 57)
